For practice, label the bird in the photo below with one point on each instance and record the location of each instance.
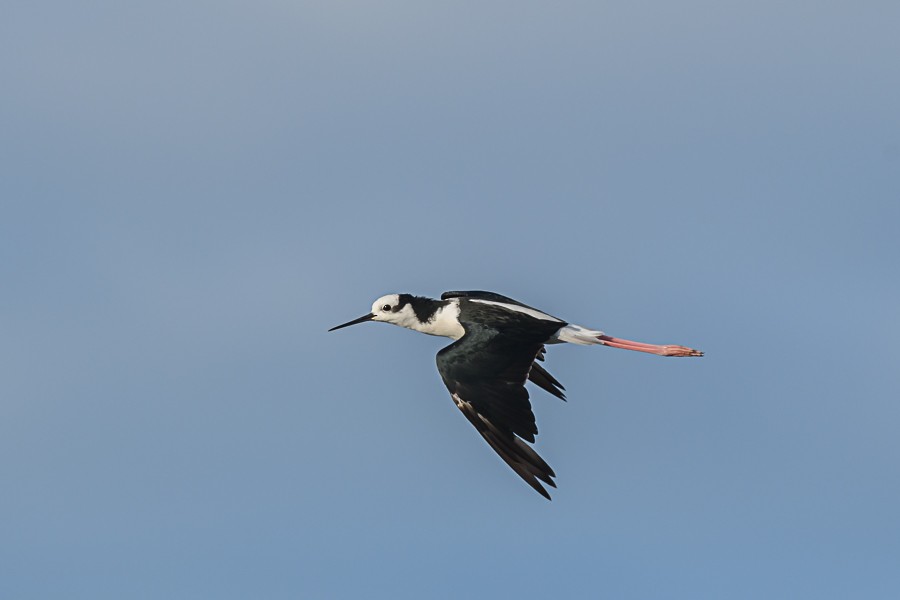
(497, 346)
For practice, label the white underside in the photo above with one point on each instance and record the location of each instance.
(576, 334)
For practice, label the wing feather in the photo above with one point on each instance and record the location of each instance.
(539, 376)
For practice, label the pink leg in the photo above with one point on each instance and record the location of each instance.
(668, 350)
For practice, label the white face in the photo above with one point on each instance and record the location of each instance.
(384, 306)
(386, 309)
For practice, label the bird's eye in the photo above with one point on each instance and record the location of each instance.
(386, 307)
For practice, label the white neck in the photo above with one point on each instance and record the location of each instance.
(444, 323)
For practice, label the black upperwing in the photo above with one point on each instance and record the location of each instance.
(482, 295)
(485, 372)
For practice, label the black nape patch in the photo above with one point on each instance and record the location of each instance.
(424, 308)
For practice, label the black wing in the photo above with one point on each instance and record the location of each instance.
(538, 374)
(485, 372)
(544, 380)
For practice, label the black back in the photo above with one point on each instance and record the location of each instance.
(481, 313)
(481, 295)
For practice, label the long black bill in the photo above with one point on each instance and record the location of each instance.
(362, 319)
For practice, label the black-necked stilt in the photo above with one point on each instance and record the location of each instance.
(497, 343)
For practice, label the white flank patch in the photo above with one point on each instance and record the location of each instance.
(521, 309)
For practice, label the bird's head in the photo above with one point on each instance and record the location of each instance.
(392, 308)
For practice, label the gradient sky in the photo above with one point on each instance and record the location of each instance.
(194, 192)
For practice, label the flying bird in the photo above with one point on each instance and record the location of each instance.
(498, 343)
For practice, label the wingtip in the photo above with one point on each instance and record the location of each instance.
(540, 489)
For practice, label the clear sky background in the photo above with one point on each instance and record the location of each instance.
(194, 192)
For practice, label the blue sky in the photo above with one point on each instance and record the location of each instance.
(194, 192)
